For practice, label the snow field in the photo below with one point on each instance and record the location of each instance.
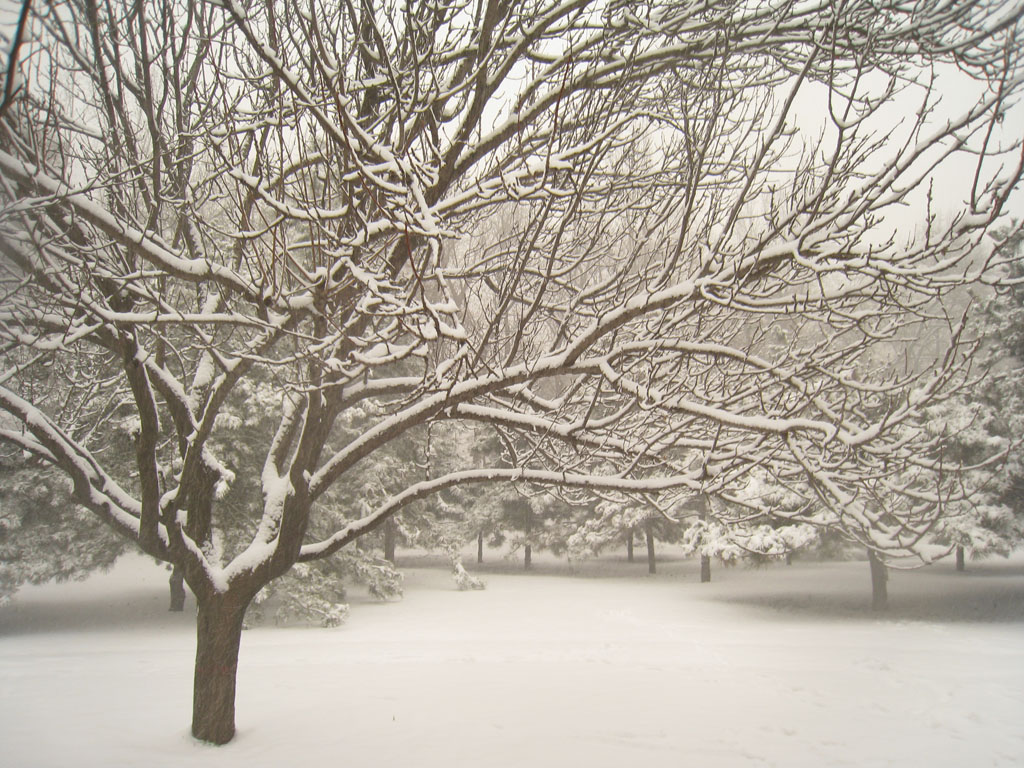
(598, 665)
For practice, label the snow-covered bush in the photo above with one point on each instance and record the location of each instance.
(465, 580)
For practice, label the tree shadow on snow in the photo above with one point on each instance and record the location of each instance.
(605, 566)
(115, 612)
(983, 599)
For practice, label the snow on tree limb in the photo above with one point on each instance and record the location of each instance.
(92, 485)
(665, 249)
(427, 487)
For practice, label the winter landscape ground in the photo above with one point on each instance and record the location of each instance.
(593, 664)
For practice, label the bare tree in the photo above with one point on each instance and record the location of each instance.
(209, 204)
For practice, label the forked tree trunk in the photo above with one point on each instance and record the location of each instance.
(389, 539)
(218, 633)
(650, 548)
(177, 582)
(960, 565)
(879, 577)
(480, 547)
(526, 558)
(629, 545)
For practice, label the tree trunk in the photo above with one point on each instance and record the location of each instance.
(789, 558)
(480, 547)
(218, 634)
(960, 565)
(705, 560)
(879, 577)
(177, 582)
(526, 558)
(389, 539)
(650, 548)
(629, 545)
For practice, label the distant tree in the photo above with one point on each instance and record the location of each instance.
(44, 534)
(532, 520)
(617, 519)
(989, 520)
(985, 420)
(446, 521)
(726, 531)
(316, 591)
(200, 197)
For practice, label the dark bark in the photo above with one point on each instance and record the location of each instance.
(879, 577)
(650, 548)
(789, 558)
(177, 582)
(526, 558)
(705, 560)
(480, 547)
(960, 564)
(390, 534)
(629, 545)
(218, 634)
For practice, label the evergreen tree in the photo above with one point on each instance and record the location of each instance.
(985, 427)
(44, 534)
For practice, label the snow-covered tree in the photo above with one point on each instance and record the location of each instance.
(730, 532)
(44, 535)
(985, 420)
(527, 519)
(986, 522)
(314, 592)
(197, 196)
(617, 520)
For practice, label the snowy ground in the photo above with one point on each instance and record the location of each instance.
(595, 666)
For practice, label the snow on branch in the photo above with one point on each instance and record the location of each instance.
(93, 487)
(619, 242)
(419, 490)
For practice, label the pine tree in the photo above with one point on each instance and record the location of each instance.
(44, 535)
(985, 427)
